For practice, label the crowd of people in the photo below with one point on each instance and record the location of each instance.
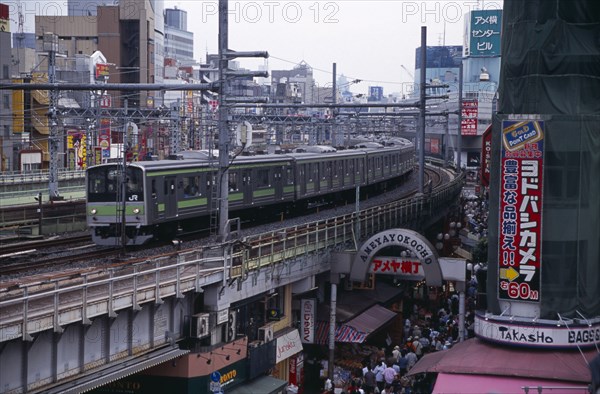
(427, 329)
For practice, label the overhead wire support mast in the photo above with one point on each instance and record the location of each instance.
(225, 54)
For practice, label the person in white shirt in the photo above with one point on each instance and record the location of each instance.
(378, 370)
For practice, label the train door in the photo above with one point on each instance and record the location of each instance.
(153, 204)
(278, 182)
(247, 186)
(170, 191)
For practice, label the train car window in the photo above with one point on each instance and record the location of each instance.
(262, 178)
(289, 176)
(328, 168)
(154, 193)
(310, 171)
(190, 186)
(166, 187)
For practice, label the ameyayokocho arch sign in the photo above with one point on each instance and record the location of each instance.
(420, 247)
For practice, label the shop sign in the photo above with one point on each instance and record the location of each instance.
(307, 310)
(468, 126)
(410, 240)
(486, 156)
(406, 268)
(484, 32)
(287, 345)
(538, 335)
(222, 316)
(520, 216)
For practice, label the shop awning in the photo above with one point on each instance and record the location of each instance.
(118, 371)
(477, 384)
(343, 333)
(356, 330)
(371, 319)
(263, 385)
(477, 357)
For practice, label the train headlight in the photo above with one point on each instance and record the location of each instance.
(93, 211)
(136, 210)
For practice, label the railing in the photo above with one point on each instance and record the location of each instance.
(31, 308)
(16, 177)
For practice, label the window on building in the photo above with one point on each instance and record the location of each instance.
(5, 101)
(5, 73)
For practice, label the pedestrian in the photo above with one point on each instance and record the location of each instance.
(396, 353)
(411, 360)
(378, 370)
(370, 382)
(388, 374)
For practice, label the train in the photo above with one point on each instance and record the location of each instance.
(163, 197)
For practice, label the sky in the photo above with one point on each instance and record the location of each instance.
(368, 40)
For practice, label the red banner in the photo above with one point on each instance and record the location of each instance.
(520, 224)
(470, 113)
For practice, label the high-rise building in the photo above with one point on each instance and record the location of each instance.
(87, 7)
(6, 153)
(179, 43)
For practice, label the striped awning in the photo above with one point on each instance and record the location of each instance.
(357, 329)
(343, 333)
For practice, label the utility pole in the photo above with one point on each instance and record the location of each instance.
(334, 101)
(224, 75)
(51, 46)
(175, 128)
(222, 121)
(460, 106)
(422, 108)
(123, 201)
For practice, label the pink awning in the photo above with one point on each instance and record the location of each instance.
(474, 356)
(476, 384)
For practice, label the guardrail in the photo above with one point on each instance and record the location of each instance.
(30, 308)
(38, 176)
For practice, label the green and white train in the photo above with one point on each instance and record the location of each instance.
(165, 195)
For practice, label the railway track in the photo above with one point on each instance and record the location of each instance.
(114, 257)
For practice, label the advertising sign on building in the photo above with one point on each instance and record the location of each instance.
(102, 71)
(470, 112)
(486, 156)
(4, 18)
(403, 267)
(104, 137)
(483, 32)
(287, 345)
(307, 311)
(520, 220)
(77, 150)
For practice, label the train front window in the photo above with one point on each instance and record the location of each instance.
(105, 182)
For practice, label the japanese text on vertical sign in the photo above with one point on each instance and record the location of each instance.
(520, 211)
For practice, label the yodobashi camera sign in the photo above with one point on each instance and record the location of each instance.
(410, 240)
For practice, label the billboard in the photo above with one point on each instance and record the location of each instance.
(520, 213)
(483, 32)
(76, 150)
(102, 71)
(470, 112)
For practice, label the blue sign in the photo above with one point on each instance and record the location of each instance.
(215, 376)
(484, 33)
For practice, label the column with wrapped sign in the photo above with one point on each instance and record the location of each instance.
(520, 221)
